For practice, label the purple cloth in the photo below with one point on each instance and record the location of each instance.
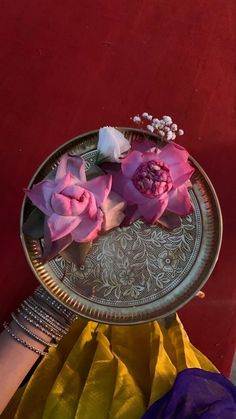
(196, 394)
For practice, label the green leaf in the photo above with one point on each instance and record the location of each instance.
(34, 225)
(56, 247)
(100, 158)
(76, 252)
(169, 220)
(93, 172)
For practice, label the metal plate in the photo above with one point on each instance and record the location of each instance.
(138, 273)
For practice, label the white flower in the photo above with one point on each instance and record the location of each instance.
(149, 117)
(161, 133)
(169, 135)
(181, 132)
(112, 144)
(167, 119)
(150, 128)
(161, 123)
(145, 115)
(156, 121)
(136, 119)
(156, 124)
(174, 127)
(173, 136)
(167, 129)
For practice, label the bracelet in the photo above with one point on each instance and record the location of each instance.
(41, 294)
(61, 321)
(30, 333)
(46, 317)
(39, 319)
(38, 325)
(22, 341)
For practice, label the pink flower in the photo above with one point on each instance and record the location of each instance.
(70, 202)
(155, 180)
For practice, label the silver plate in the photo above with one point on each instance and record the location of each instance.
(137, 273)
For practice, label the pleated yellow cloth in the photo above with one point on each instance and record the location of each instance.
(100, 371)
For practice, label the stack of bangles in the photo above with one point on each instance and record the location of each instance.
(46, 315)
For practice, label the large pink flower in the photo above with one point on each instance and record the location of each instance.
(70, 202)
(155, 180)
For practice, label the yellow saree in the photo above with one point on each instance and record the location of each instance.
(101, 371)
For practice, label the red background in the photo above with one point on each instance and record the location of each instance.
(71, 66)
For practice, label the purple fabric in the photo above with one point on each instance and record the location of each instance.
(196, 394)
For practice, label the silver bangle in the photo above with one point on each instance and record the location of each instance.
(32, 334)
(43, 295)
(41, 320)
(46, 317)
(49, 311)
(22, 341)
(38, 325)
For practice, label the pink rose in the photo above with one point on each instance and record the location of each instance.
(154, 181)
(70, 202)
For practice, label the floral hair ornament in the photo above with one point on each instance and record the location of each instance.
(128, 182)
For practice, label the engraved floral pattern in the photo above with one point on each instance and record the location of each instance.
(132, 263)
(167, 261)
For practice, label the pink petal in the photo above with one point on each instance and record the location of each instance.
(79, 198)
(188, 183)
(73, 191)
(142, 144)
(152, 209)
(131, 163)
(180, 173)
(118, 183)
(77, 207)
(63, 183)
(40, 195)
(180, 201)
(61, 204)
(113, 211)
(60, 225)
(100, 187)
(92, 206)
(151, 155)
(131, 193)
(73, 165)
(173, 154)
(88, 229)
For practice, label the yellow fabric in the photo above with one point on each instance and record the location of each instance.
(100, 371)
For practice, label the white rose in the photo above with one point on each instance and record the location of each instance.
(112, 145)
